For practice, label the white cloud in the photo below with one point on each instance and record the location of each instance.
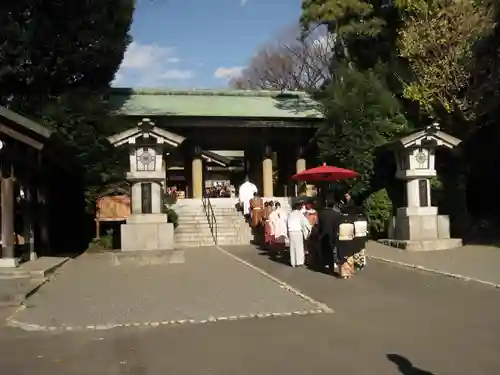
(178, 74)
(243, 2)
(228, 73)
(150, 65)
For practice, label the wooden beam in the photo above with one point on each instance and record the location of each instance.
(20, 137)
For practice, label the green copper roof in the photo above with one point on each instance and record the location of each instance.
(214, 103)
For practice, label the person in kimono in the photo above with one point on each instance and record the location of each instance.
(360, 239)
(279, 237)
(311, 243)
(298, 231)
(268, 208)
(246, 193)
(346, 247)
(329, 219)
(257, 210)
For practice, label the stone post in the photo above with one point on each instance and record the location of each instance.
(267, 172)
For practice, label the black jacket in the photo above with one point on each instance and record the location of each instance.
(328, 223)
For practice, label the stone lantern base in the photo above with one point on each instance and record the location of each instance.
(147, 232)
(420, 229)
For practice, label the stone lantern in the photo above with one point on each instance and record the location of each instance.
(146, 227)
(418, 225)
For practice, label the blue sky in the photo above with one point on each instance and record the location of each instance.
(199, 43)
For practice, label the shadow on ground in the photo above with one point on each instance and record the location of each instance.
(405, 366)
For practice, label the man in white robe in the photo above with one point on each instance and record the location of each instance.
(298, 230)
(246, 192)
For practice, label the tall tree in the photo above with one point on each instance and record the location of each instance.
(57, 60)
(361, 115)
(50, 47)
(438, 41)
(290, 62)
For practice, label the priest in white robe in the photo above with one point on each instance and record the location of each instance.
(246, 192)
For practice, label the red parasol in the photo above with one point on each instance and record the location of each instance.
(325, 173)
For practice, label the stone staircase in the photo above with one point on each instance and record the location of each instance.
(194, 230)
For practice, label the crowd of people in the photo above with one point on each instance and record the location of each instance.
(220, 190)
(321, 234)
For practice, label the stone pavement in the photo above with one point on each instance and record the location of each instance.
(471, 262)
(16, 284)
(103, 291)
(388, 320)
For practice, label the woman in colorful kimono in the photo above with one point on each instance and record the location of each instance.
(268, 208)
(257, 205)
(360, 238)
(346, 247)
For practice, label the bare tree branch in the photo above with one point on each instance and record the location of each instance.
(290, 62)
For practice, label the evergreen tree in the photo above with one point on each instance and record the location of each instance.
(57, 60)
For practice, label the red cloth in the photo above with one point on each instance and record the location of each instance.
(267, 232)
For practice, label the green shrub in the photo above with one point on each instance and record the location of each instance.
(169, 199)
(378, 209)
(172, 216)
(101, 244)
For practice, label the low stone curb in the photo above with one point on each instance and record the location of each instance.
(282, 284)
(11, 322)
(438, 272)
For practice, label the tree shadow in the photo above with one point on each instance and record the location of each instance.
(299, 104)
(405, 366)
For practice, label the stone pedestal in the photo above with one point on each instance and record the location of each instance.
(147, 232)
(424, 230)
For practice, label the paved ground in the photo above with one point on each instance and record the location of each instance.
(481, 263)
(387, 320)
(102, 291)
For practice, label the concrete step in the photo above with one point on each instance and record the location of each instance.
(182, 238)
(203, 231)
(183, 226)
(193, 244)
(204, 220)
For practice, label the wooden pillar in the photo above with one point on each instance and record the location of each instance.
(267, 172)
(197, 174)
(300, 165)
(43, 220)
(7, 212)
(28, 230)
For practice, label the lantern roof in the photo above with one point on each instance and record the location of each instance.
(430, 137)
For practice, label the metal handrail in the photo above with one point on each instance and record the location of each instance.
(212, 221)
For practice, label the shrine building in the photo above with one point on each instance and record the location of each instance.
(224, 135)
(31, 171)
